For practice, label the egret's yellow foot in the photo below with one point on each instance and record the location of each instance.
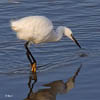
(34, 67)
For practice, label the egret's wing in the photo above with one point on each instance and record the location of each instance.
(42, 27)
(33, 27)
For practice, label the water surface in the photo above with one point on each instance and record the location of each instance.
(56, 61)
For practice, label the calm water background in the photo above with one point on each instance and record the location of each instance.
(56, 61)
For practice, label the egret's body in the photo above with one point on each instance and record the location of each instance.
(39, 29)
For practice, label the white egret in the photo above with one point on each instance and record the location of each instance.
(39, 29)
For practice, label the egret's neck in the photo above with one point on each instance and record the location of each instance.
(55, 35)
(59, 32)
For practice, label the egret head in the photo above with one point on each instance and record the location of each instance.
(69, 34)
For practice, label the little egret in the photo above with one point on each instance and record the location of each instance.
(39, 29)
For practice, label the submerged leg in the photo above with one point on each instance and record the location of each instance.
(30, 57)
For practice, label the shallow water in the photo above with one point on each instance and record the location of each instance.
(56, 61)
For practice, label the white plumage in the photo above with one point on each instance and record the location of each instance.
(38, 29)
(29, 28)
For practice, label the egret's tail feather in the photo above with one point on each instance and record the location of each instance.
(12, 22)
(14, 25)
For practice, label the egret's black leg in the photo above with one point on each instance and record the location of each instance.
(26, 46)
(29, 56)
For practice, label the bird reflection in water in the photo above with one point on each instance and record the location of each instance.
(55, 87)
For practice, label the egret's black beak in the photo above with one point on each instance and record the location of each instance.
(73, 38)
